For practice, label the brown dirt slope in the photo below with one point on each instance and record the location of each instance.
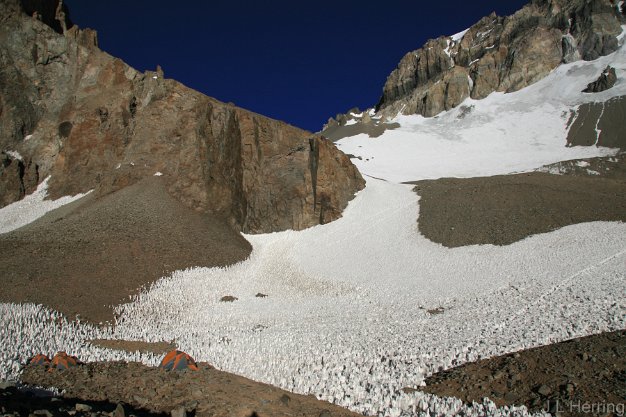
(208, 392)
(501, 210)
(92, 254)
(572, 375)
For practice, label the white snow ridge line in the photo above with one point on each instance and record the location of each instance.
(459, 36)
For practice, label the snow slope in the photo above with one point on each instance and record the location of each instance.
(346, 314)
(502, 133)
(31, 207)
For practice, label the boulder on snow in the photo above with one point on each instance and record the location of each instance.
(607, 80)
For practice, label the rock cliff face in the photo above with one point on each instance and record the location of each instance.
(501, 54)
(69, 110)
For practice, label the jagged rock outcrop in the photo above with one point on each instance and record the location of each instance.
(91, 121)
(354, 123)
(501, 54)
(16, 177)
(53, 13)
(607, 80)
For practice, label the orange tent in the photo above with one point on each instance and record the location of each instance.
(178, 361)
(39, 360)
(63, 361)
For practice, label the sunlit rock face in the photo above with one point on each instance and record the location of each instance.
(502, 54)
(92, 122)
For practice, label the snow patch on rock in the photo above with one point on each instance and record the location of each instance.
(15, 155)
(31, 207)
(458, 37)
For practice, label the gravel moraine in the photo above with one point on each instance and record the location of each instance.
(560, 377)
(206, 392)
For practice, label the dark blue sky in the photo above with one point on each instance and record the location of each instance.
(299, 61)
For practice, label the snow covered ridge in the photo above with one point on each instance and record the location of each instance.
(501, 134)
(348, 322)
(31, 207)
(454, 39)
(459, 36)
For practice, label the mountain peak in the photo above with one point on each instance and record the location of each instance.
(501, 54)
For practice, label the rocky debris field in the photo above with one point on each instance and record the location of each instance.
(500, 210)
(83, 258)
(562, 377)
(206, 392)
(603, 167)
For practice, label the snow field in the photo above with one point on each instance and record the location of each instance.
(28, 329)
(503, 133)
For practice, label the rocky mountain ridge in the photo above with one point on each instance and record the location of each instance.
(497, 54)
(70, 111)
(502, 54)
